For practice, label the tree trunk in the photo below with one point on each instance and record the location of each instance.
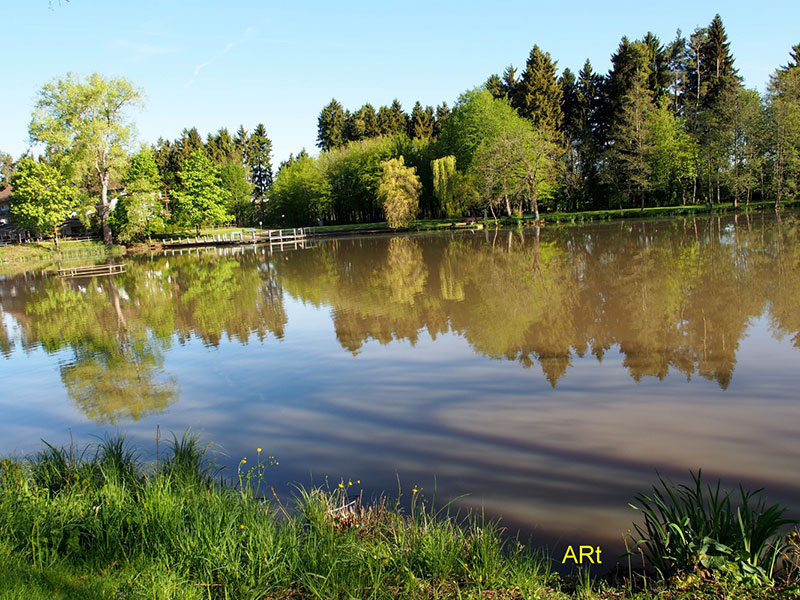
(104, 204)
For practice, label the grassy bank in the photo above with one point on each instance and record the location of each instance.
(103, 524)
(46, 251)
(558, 217)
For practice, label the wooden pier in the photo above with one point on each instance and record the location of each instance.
(91, 270)
(273, 237)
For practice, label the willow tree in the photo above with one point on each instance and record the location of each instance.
(399, 191)
(84, 127)
(444, 184)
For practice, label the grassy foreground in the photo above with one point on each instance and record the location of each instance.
(103, 524)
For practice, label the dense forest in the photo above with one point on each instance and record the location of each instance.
(671, 123)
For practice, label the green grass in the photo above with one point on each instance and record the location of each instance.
(103, 523)
(46, 251)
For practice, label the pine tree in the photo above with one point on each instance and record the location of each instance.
(420, 124)
(241, 143)
(259, 156)
(370, 121)
(331, 126)
(540, 96)
(442, 114)
(220, 148)
(495, 86)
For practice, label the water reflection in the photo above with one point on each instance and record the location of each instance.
(546, 373)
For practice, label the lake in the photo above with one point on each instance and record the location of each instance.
(543, 377)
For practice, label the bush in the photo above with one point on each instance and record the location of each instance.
(688, 529)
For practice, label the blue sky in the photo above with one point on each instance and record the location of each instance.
(222, 64)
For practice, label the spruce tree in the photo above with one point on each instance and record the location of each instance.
(495, 86)
(540, 96)
(442, 114)
(241, 142)
(421, 122)
(259, 156)
(331, 126)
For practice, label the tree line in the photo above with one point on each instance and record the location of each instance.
(670, 123)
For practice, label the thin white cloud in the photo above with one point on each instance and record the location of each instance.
(248, 33)
(138, 51)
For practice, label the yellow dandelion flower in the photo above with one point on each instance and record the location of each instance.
(258, 449)
(341, 485)
(415, 490)
(244, 461)
(349, 483)
(241, 526)
(358, 481)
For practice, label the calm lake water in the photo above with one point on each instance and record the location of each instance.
(545, 377)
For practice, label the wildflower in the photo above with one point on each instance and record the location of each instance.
(358, 481)
(349, 483)
(258, 449)
(241, 526)
(341, 485)
(244, 461)
(415, 490)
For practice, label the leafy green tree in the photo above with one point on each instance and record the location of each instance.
(399, 192)
(538, 96)
(331, 126)
(783, 98)
(43, 198)
(748, 148)
(672, 153)
(140, 211)
(301, 193)
(520, 164)
(476, 117)
(233, 178)
(201, 199)
(444, 184)
(84, 127)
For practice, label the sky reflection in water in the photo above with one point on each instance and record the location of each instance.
(548, 377)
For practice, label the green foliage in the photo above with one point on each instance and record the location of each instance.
(201, 199)
(259, 161)
(689, 528)
(476, 118)
(301, 193)
(783, 97)
(84, 128)
(331, 126)
(233, 179)
(444, 185)
(139, 212)
(399, 191)
(42, 198)
(538, 96)
(6, 169)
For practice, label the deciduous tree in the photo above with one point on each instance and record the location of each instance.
(85, 128)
